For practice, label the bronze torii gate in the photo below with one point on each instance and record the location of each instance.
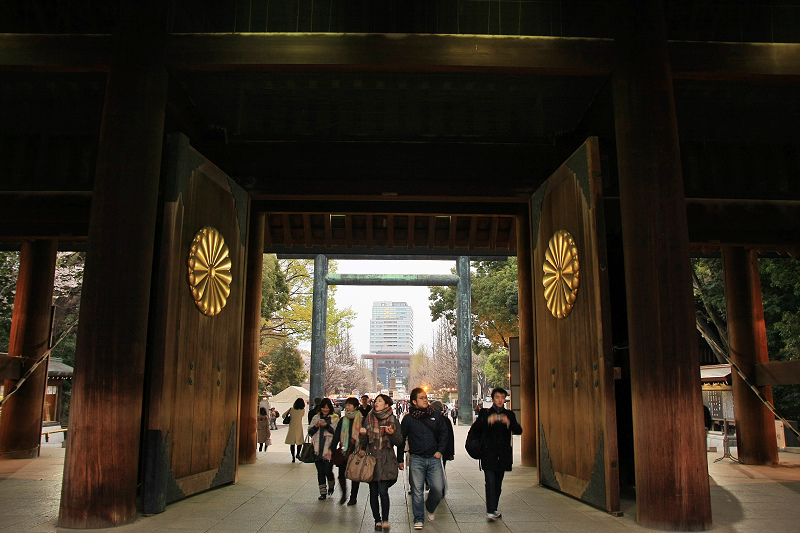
(319, 319)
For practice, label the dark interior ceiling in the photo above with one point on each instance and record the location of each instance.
(367, 132)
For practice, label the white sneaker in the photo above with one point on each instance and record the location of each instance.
(431, 517)
(496, 514)
(418, 525)
(490, 517)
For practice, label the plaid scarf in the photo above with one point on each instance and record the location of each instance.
(350, 426)
(416, 412)
(377, 420)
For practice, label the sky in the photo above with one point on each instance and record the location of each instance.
(360, 298)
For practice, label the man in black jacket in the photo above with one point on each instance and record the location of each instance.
(426, 433)
(365, 407)
(496, 424)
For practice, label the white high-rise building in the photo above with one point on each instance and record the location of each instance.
(391, 329)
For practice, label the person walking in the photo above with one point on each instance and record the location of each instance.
(380, 435)
(273, 418)
(450, 451)
(294, 436)
(321, 430)
(496, 424)
(425, 431)
(365, 406)
(262, 428)
(346, 435)
(314, 410)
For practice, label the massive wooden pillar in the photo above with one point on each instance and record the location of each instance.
(672, 490)
(527, 350)
(252, 340)
(21, 422)
(464, 338)
(319, 329)
(102, 460)
(747, 338)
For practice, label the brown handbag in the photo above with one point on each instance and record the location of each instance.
(360, 468)
(338, 457)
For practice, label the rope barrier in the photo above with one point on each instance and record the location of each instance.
(32, 369)
(755, 390)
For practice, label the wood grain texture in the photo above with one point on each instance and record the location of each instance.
(21, 423)
(100, 473)
(672, 487)
(527, 346)
(575, 387)
(747, 338)
(196, 358)
(251, 341)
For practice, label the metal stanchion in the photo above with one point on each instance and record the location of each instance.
(726, 449)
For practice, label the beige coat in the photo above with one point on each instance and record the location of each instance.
(295, 434)
(262, 428)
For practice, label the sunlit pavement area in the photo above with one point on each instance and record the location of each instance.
(276, 495)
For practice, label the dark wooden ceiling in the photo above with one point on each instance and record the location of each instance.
(369, 233)
(435, 142)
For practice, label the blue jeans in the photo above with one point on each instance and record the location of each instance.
(422, 469)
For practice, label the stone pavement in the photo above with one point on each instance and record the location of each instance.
(274, 495)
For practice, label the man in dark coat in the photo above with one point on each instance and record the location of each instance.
(425, 431)
(314, 410)
(365, 407)
(496, 424)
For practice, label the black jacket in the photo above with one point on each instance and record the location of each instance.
(450, 452)
(425, 436)
(496, 454)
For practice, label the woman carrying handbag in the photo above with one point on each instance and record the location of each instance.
(294, 436)
(380, 435)
(344, 442)
(321, 430)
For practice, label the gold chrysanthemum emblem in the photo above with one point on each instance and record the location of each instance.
(561, 274)
(209, 271)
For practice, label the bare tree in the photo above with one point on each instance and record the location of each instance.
(436, 366)
(444, 357)
(343, 372)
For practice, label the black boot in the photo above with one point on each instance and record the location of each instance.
(353, 494)
(331, 484)
(343, 486)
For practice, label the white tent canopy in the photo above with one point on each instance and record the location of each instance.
(284, 399)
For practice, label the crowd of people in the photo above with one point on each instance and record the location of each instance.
(415, 434)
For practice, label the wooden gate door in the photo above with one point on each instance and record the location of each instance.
(575, 372)
(196, 328)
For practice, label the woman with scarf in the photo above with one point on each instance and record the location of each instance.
(380, 434)
(346, 435)
(321, 430)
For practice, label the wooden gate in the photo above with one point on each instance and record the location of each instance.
(575, 372)
(194, 364)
